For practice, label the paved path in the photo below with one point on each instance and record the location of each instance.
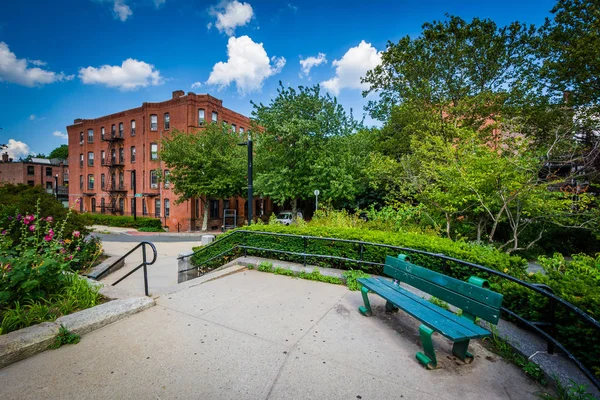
(253, 335)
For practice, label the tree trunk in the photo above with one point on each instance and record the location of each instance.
(294, 207)
(205, 215)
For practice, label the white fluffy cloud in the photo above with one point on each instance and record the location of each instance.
(16, 70)
(17, 149)
(308, 63)
(32, 117)
(159, 3)
(121, 10)
(248, 65)
(353, 66)
(196, 85)
(60, 135)
(229, 15)
(131, 74)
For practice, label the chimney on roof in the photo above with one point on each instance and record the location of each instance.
(77, 121)
(178, 93)
(5, 157)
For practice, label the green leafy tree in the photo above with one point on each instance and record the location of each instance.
(61, 152)
(205, 164)
(303, 145)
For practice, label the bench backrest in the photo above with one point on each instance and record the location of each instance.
(474, 300)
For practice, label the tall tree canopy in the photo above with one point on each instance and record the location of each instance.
(61, 152)
(206, 164)
(302, 146)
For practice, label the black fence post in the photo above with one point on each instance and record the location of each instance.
(145, 268)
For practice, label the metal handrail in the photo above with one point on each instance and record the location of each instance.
(542, 289)
(144, 264)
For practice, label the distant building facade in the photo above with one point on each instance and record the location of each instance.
(114, 162)
(52, 174)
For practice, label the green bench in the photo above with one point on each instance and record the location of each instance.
(473, 297)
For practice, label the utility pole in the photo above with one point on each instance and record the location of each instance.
(250, 192)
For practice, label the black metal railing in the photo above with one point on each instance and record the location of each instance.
(143, 265)
(546, 329)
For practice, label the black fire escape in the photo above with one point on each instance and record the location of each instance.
(115, 163)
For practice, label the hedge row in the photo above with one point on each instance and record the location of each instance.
(124, 221)
(581, 339)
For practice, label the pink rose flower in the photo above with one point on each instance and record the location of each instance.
(47, 238)
(76, 234)
(32, 228)
(49, 219)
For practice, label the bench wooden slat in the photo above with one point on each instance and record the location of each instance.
(436, 319)
(468, 324)
(475, 300)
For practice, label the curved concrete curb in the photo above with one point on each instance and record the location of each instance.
(18, 345)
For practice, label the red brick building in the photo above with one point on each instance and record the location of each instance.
(113, 160)
(52, 174)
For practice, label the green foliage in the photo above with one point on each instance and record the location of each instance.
(265, 266)
(208, 164)
(65, 337)
(439, 303)
(316, 275)
(572, 391)
(61, 152)
(76, 294)
(306, 143)
(351, 276)
(501, 347)
(125, 221)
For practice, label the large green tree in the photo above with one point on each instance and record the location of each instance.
(302, 145)
(207, 164)
(61, 152)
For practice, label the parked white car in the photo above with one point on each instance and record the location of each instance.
(285, 217)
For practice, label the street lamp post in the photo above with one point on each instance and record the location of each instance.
(133, 183)
(250, 190)
(56, 185)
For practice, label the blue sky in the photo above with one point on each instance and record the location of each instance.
(61, 60)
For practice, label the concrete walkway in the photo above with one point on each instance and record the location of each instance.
(253, 335)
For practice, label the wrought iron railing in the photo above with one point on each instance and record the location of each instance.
(547, 329)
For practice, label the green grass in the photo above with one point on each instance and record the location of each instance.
(573, 391)
(315, 275)
(64, 337)
(351, 277)
(76, 295)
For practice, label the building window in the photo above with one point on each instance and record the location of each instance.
(93, 204)
(49, 185)
(214, 208)
(102, 205)
(30, 183)
(133, 205)
(90, 136)
(121, 204)
(81, 138)
(157, 207)
(233, 127)
(113, 156)
(113, 131)
(241, 130)
(215, 116)
(167, 207)
(132, 154)
(81, 160)
(102, 133)
(120, 129)
(132, 179)
(30, 170)
(90, 159)
(153, 180)
(102, 181)
(153, 151)
(121, 155)
(81, 204)
(113, 181)
(153, 122)
(201, 117)
(81, 182)
(133, 127)
(167, 121)
(167, 181)
(90, 182)
(48, 171)
(144, 207)
(121, 181)
(103, 157)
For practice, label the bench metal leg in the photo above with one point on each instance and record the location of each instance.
(390, 307)
(428, 359)
(459, 349)
(366, 310)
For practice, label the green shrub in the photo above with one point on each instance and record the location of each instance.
(351, 277)
(144, 224)
(65, 336)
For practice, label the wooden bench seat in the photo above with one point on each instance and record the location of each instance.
(472, 297)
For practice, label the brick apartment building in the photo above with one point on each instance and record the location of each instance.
(113, 160)
(52, 174)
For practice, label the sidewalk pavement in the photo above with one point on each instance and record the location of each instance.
(134, 232)
(253, 335)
